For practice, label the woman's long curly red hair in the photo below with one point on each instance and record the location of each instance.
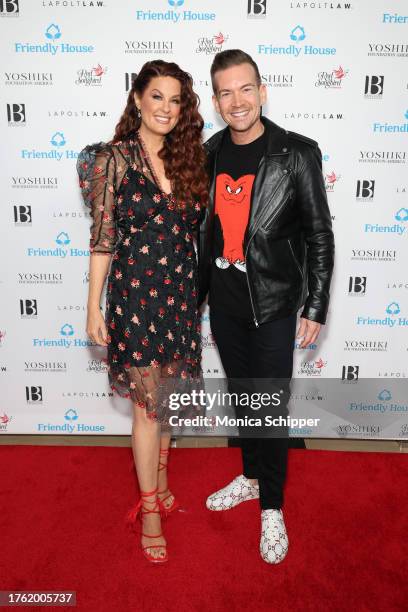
(183, 154)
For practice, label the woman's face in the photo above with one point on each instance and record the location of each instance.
(160, 105)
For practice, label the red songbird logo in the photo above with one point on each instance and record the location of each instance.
(98, 71)
(331, 178)
(219, 39)
(339, 73)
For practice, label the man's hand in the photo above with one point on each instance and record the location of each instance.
(310, 330)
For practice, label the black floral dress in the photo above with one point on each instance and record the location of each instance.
(154, 341)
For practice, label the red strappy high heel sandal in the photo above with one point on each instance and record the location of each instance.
(166, 510)
(139, 511)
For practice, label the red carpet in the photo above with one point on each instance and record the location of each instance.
(62, 528)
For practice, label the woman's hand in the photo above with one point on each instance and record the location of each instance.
(95, 326)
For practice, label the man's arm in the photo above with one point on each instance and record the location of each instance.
(317, 228)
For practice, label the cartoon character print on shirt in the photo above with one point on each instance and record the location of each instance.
(232, 202)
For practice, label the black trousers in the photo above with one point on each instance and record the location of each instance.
(247, 352)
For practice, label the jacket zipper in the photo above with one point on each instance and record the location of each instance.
(246, 250)
(266, 224)
(295, 259)
(250, 297)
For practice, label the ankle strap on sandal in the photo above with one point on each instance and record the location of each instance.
(163, 453)
(148, 493)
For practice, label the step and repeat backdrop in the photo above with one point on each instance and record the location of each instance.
(334, 71)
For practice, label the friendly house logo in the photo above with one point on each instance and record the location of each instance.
(174, 14)
(392, 318)
(297, 36)
(385, 404)
(61, 251)
(386, 128)
(58, 152)
(67, 339)
(397, 228)
(53, 46)
(70, 424)
(394, 18)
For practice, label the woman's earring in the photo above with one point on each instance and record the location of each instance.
(139, 114)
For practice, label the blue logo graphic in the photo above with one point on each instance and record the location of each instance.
(53, 32)
(171, 16)
(397, 228)
(393, 308)
(384, 396)
(298, 34)
(402, 214)
(62, 238)
(58, 139)
(67, 330)
(53, 36)
(394, 18)
(391, 127)
(70, 425)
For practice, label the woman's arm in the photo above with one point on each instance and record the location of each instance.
(95, 325)
(97, 172)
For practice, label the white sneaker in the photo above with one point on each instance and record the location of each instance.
(274, 539)
(237, 491)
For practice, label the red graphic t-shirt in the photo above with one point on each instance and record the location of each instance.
(232, 201)
(236, 170)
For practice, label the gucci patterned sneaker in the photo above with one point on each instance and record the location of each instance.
(274, 539)
(237, 491)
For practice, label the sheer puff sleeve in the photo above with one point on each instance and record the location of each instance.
(96, 167)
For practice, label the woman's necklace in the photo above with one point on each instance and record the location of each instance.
(149, 164)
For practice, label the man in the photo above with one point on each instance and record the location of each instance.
(266, 249)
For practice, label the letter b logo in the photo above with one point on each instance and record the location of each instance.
(365, 190)
(28, 308)
(16, 114)
(350, 372)
(129, 78)
(357, 285)
(374, 86)
(22, 214)
(256, 8)
(34, 394)
(9, 7)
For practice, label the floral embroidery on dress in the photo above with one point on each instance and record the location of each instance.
(151, 300)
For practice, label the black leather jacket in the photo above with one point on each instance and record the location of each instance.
(289, 243)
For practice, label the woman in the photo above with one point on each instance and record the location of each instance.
(146, 189)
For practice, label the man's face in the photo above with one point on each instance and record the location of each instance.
(238, 97)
